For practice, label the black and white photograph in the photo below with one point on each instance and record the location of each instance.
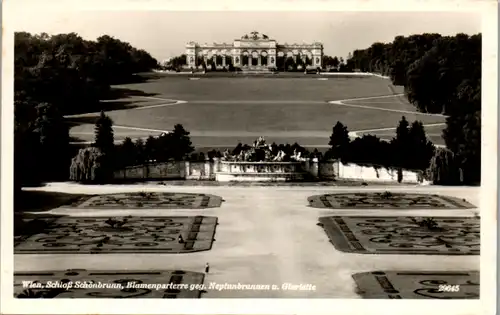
(330, 155)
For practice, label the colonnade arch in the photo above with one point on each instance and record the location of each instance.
(253, 51)
(255, 57)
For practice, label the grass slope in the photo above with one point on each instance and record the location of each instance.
(222, 111)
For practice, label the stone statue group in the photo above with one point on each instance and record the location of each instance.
(261, 152)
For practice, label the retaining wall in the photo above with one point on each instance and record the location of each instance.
(265, 171)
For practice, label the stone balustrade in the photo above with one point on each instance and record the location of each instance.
(259, 171)
(225, 171)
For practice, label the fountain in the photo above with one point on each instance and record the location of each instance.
(260, 162)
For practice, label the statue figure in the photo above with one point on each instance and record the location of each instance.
(226, 155)
(260, 142)
(260, 151)
(280, 156)
(247, 156)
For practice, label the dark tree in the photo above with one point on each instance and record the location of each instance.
(339, 141)
(400, 147)
(347, 66)
(53, 134)
(401, 143)
(393, 58)
(420, 149)
(463, 131)
(104, 137)
(180, 142)
(140, 157)
(177, 63)
(451, 66)
(150, 148)
(335, 62)
(447, 79)
(126, 153)
(368, 150)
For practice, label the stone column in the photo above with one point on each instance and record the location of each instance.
(216, 167)
(209, 169)
(187, 170)
(259, 60)
(314, 167)
(307, 165)
(224, 60)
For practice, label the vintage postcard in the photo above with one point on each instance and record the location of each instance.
(264, 157)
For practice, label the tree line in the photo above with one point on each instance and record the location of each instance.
(72, 73)
(59, 75)
(336, 64)
(97, 162)
(440, 74)
(64, 74)
(409, 149)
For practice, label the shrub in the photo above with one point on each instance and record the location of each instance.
(197, 157)
(443, 169)
(428, 223)
(214, 154)
(369, 150)
(386, 195)
(91, 165)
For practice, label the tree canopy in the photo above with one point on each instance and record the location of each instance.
(440, 74)
(59, 75)
(72, 73)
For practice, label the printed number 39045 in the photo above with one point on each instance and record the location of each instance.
(449, 288)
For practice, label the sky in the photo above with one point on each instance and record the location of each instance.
(164, 34)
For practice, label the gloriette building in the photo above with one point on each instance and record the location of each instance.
(254, 51)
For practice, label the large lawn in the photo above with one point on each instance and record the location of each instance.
(223, 111)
